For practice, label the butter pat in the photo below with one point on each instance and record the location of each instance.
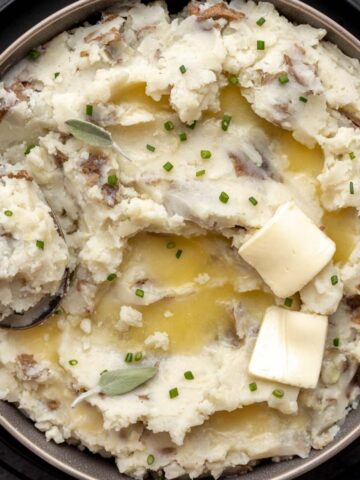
(288, 251)
(290, 347)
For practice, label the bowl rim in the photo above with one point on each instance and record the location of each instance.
(7, 59)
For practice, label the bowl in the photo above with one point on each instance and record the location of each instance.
(82, 464)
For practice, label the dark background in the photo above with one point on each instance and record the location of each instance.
(16, 462)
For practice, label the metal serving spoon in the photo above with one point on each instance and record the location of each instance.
(93, 135)
(39, 312)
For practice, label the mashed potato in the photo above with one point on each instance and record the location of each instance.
(224, 113)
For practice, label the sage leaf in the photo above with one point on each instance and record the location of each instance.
(118, 382)
(90, 133)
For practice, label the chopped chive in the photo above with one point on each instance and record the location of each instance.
(174, 392)
(151, 148)
(129, 357)
(34, 54)
(182, 136)
(336, 342)
(253, 201)
(253, 386)
(111, 277)
(200, 173)
(205, 154)
(351, 187)
(29, 148)
(168, 166)
(40, 244)
(233, 80)
(56, 74)
(283, 79)
(278, 393)
(150, 459)
(89, 110)
(334, 280)
(112, 180)
(261, 21)
(182, 69)
(8, 213)
(191, 125)
(139, 292)
(303, 99)
(104, 371)
(73, 362)
(169, 125)
(178, 253)
(171, 245)
(288, 302)
(189, 375)
(224, 197)
(225, 122)
(260, 45)
(138, 356)
(352, 156)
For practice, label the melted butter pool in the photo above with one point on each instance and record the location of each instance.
(191, 320)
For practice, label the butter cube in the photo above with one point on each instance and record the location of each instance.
(290, 347)
(288, 251)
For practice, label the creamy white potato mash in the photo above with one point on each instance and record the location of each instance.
(223, 240)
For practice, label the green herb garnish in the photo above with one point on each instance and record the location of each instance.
(182, 69)
(278, 393)
(261, 21)
(351, 188)
(168, 166)
(253, 386)
(8, 213)
(233, 80)
(225, 122)
(253, 201)
(334, 280)
(288, 302)
(138, 356)
(224, 197)
(139, 292)
(191, 125)
(169, 125)
(303, 99)
(150, 459)
(151, 148)
(189, 375)
(89, 110)
(34, 54)
(29, 148)
(336, 342)
(352, 156)
(260, 45)
(200, 173)
(89, 133)
(118, 382)
(40, 244)
(128, 357)
(174, 392)
(171, 245)
(112, 180)
(182, 136)
(205, 154)
(73, 362)
(111, 277)
(283, 79)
